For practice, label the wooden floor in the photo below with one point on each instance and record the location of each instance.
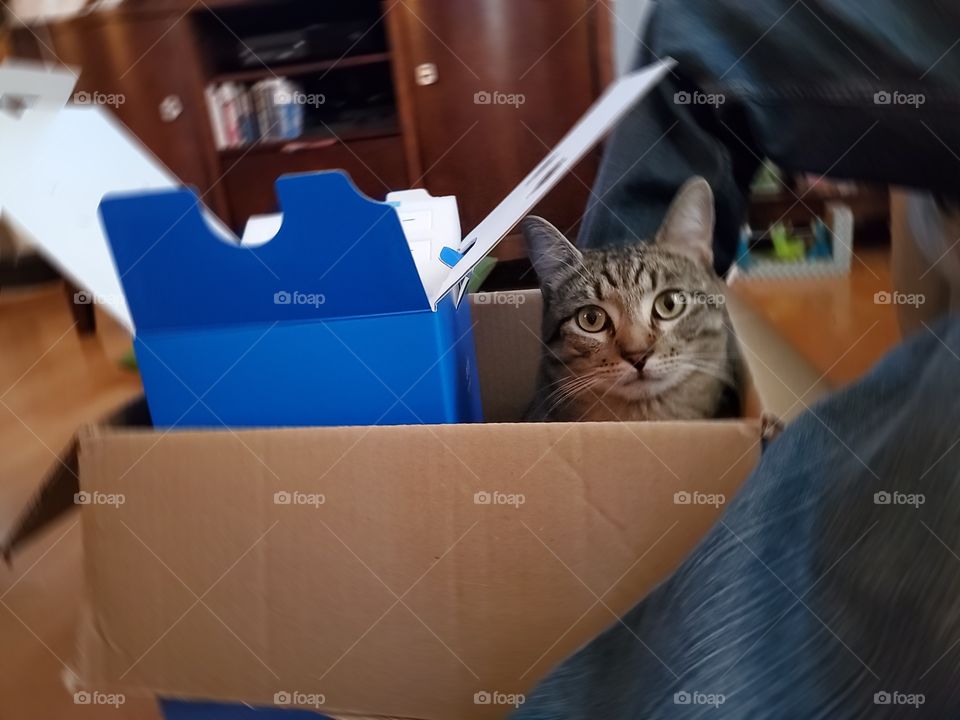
(834, 323)
(51, 382)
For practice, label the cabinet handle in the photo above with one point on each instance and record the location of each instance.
(171, 108)
(426, 74)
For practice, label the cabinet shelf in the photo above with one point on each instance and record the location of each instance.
(294, 69)
(314, 139)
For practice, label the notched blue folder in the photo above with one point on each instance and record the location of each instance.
(327, 323)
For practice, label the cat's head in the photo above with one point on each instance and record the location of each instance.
(633, 323)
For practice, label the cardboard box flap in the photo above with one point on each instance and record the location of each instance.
(55, 495)
(337, 254)
(58, 163)
(392, 571)
(615, 102)
(782, 382)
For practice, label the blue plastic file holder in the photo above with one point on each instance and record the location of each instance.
(327, 323)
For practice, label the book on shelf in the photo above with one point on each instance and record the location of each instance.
(241, 116)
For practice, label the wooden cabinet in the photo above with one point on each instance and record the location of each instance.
(493, 85)
(150, 65)
(471, 93)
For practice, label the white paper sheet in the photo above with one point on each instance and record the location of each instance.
(599, 120)
(57, 164)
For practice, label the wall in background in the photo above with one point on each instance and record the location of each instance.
(628, 18)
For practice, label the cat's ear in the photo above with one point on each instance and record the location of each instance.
(688, 226)
(549, 251)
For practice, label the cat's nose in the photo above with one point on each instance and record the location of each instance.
(639, 360)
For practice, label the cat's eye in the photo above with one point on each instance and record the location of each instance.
(669, 305)
(592, 318)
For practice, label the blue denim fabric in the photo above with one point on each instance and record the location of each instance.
(798, 80)
(811, 595)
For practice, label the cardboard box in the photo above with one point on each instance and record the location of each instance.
(416, 571)
(406, 571)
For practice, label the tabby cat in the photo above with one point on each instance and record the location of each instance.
(635, 333)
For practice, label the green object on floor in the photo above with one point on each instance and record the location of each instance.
(480, 273)
(785, 247)
(129, 360)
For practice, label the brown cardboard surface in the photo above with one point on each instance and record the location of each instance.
(782, 381)
(399, 595)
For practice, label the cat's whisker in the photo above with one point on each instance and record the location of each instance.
(579, 388)
(568, 387)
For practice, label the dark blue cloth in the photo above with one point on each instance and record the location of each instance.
(830, 588)
(803, 82)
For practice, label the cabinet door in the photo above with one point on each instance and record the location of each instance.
(146, 68)
(512, 77)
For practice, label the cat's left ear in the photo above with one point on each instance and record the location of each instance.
(550, 252)
(688, 227)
